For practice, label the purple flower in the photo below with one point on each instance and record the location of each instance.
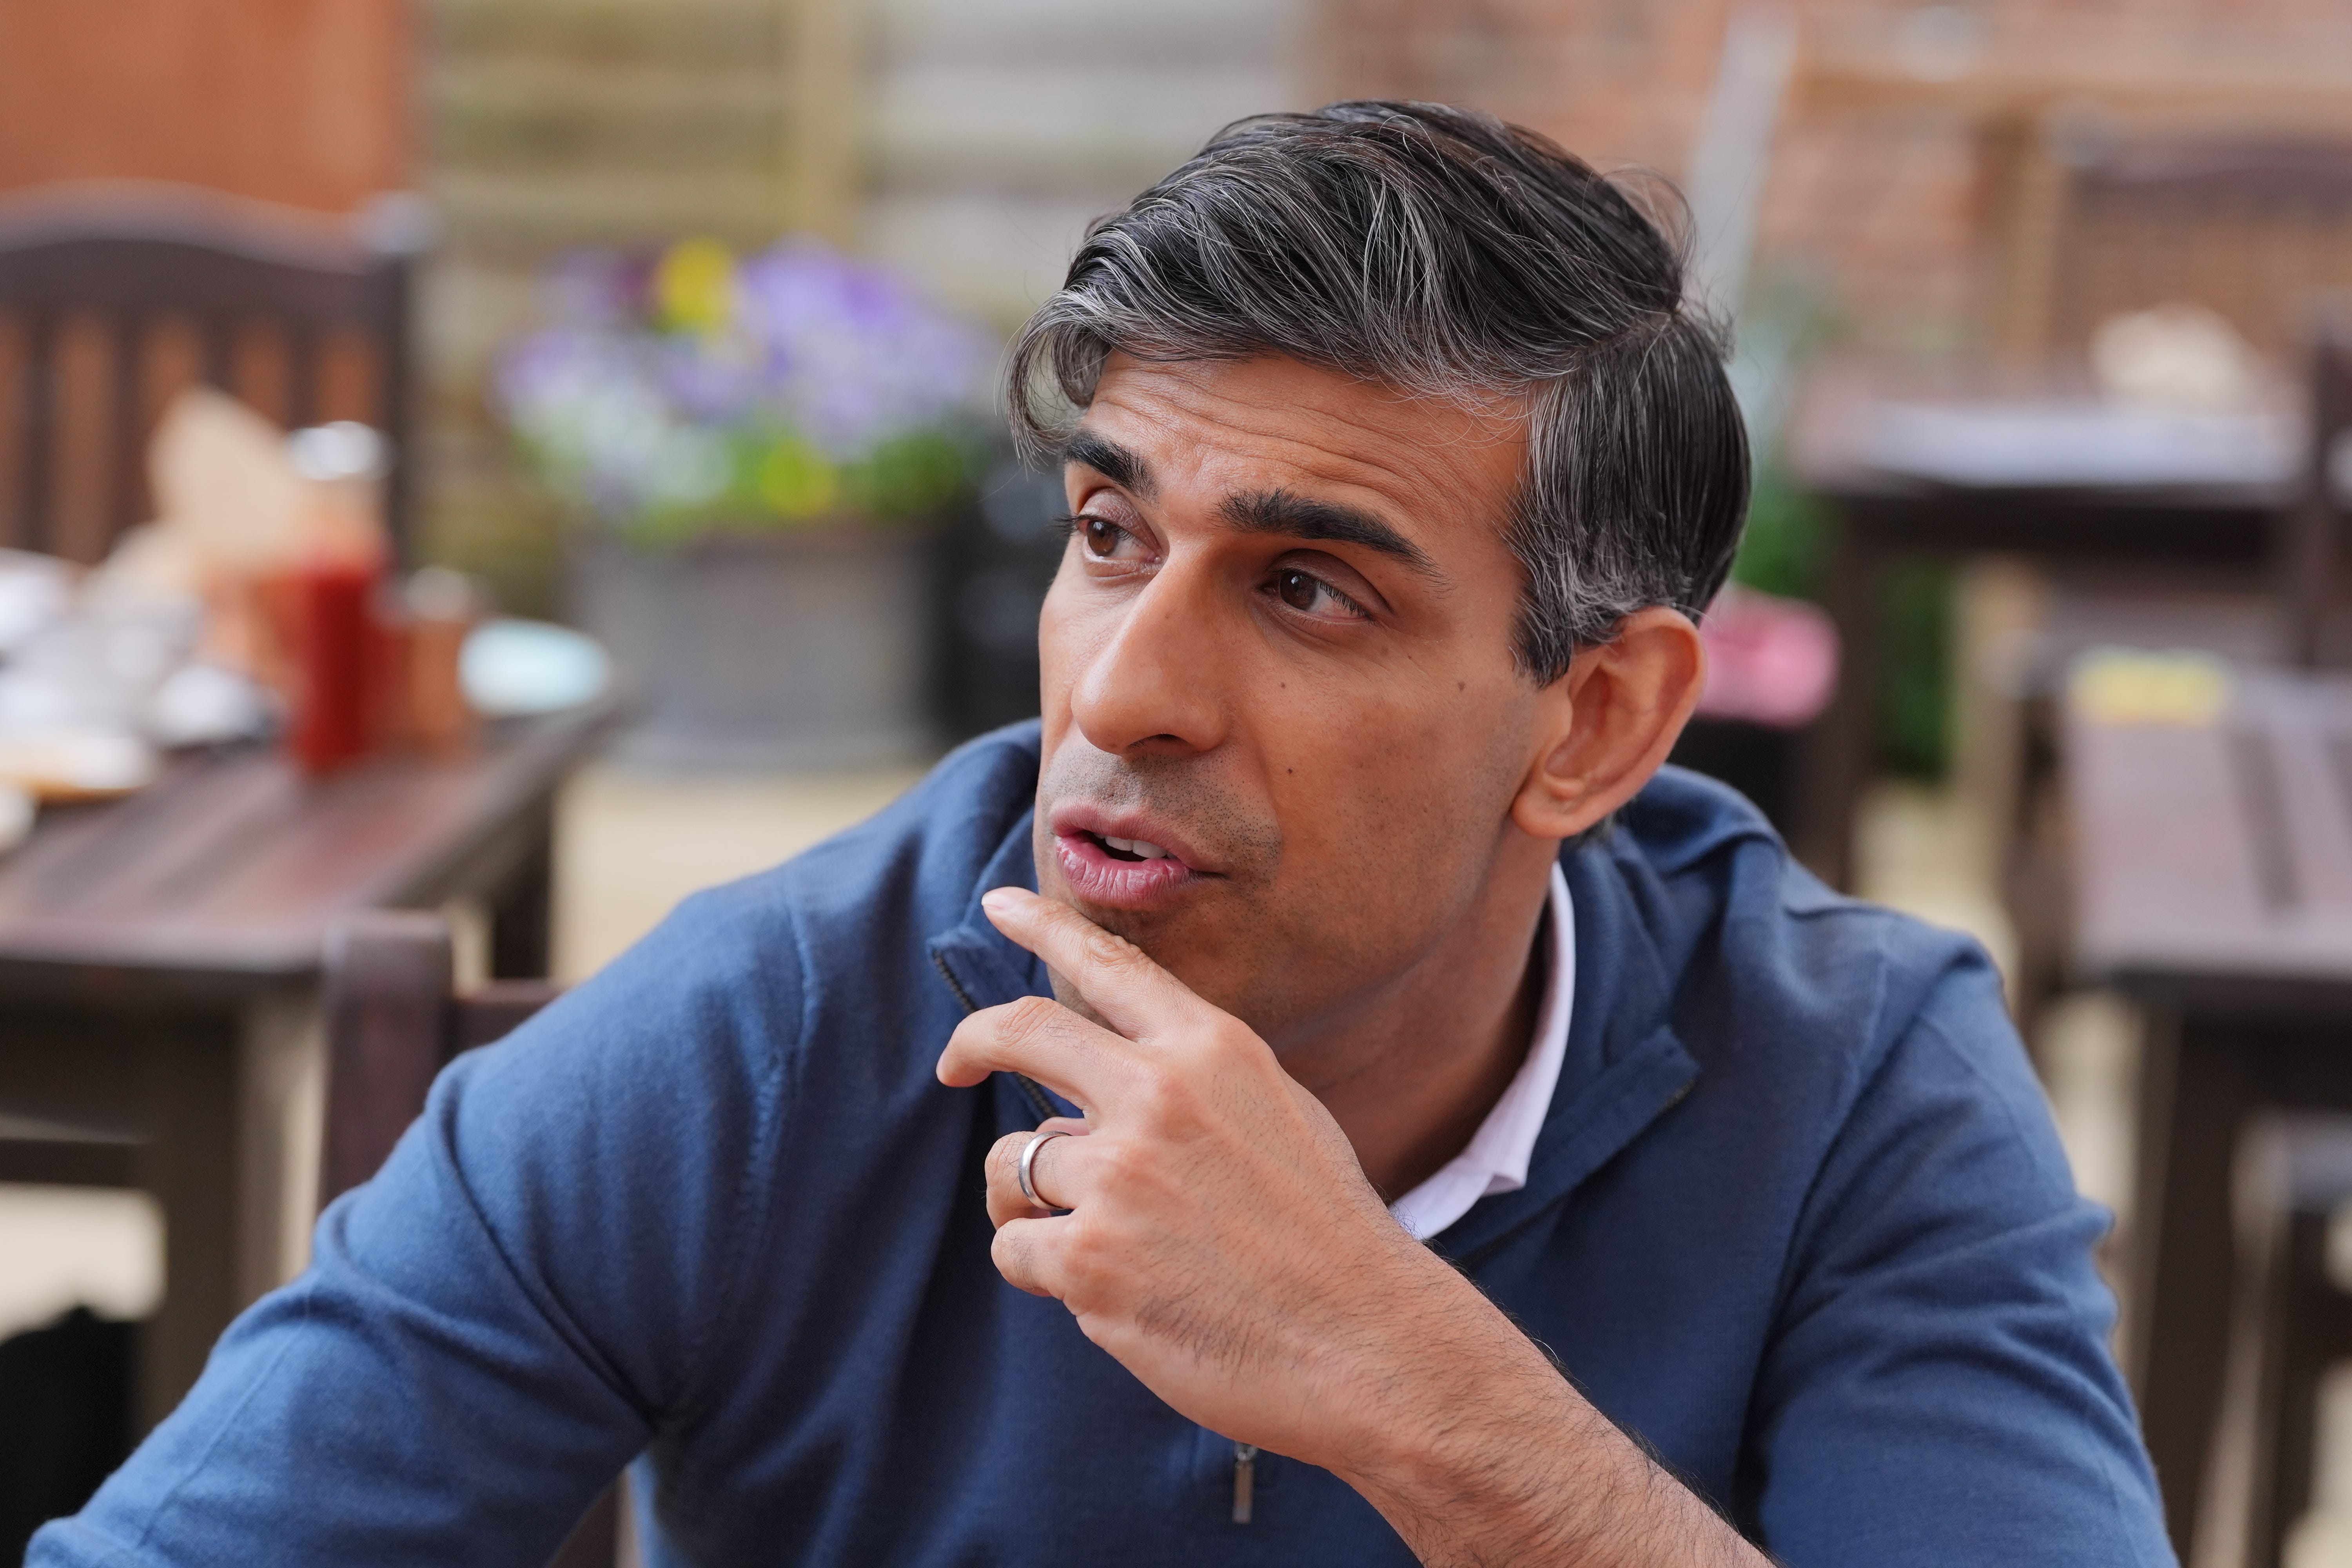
(631, 420)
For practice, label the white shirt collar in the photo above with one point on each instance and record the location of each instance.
(1496, 1159)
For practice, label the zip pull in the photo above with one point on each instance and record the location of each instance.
(1244, 1480)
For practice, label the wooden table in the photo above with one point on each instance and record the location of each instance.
(1958, 468)
(2212, 880)
(159, 963)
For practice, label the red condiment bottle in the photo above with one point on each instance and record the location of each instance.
(340, 642)
(337, 646)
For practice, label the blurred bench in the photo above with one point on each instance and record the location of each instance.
(2210, 825)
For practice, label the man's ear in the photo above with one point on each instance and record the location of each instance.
(1607, 724)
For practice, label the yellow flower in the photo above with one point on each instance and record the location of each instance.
(694, 286)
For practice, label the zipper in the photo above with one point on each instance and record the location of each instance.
(1037, 1100)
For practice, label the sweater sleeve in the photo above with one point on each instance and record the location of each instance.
(505, 1316)
(1938, 1388)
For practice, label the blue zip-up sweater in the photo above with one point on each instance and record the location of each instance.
(1798, 1217)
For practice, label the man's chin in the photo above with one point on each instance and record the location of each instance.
(1150, 929)
(1207, 952)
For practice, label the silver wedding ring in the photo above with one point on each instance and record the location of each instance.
(1029, 1159)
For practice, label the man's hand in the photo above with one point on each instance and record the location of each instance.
(1224, 1244)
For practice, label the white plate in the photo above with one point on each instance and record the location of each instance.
(510, 668)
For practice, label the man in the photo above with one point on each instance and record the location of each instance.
(1447, 1137)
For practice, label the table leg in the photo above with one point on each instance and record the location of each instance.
(281, 1119)
(191, 1165)
(523, 911)
(2195, 1092)
(1837, 754)
(215, 1113)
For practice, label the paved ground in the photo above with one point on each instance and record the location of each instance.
(630, 846)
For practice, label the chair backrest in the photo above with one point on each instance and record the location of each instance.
(121, 267)
(2086, 226)
(2313, 546)
(2252, 229)
(394, 1019)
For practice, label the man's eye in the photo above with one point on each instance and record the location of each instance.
(1103, 538)
(1310, 596)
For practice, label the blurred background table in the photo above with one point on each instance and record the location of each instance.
(2211, 853)
(2024, 467)
(158, 965)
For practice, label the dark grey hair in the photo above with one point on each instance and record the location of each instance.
(1448, 254)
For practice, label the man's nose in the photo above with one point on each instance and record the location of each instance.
(1154, 683)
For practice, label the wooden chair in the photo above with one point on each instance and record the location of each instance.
(393, 1020)
(2295, 1320)
(2089, 223)
(136, 262)
(2312, 553)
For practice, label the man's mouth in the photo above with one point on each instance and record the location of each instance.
(1110, 871)
(1129, 849)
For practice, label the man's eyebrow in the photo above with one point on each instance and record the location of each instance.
(1298, 516)
(1111, 461)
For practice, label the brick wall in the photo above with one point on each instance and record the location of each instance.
(300, 101)
(1891, 175)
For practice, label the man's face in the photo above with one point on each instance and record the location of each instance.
(1279, 650)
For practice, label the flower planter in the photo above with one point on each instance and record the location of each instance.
(807, 648)
(767, 428)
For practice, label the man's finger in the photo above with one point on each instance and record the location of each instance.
(1119, 980)
(1026, 1253)
(1052, 1180)
(1081, 1062)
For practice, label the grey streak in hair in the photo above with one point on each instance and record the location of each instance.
(1446, 253)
